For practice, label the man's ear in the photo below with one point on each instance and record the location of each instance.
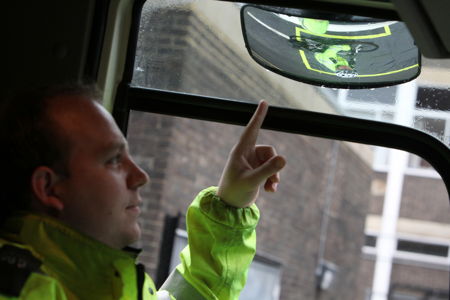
(43, 185)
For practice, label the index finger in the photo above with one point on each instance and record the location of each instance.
(250, 134)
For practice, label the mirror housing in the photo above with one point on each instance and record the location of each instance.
(338, 51)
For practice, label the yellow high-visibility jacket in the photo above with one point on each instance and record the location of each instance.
(41, 258)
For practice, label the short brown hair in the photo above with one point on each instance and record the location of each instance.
(30, 139)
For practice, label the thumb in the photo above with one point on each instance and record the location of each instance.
(267, 169)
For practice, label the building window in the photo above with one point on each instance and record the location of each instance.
(430, 116)
(409, 292)
(370, 241)
(414, 250)
(431, 98)
(422, 248)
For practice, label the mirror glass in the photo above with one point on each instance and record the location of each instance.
(342, 52)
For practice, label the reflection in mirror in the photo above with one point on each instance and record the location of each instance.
(344, 53)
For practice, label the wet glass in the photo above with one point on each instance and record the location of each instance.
(318, 235)
(184, 43)
(325, 225)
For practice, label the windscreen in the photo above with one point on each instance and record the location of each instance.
(182, 43)
(343, 214)
(330, 231)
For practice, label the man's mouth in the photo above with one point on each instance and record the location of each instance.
(134, 208)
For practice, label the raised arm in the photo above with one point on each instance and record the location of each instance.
(221, 222)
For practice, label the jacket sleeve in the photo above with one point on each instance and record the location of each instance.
(221, 246)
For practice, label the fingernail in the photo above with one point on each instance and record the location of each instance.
(275, 186)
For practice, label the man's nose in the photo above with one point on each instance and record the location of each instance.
(137, 177)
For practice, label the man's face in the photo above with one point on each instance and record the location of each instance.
(100, 195)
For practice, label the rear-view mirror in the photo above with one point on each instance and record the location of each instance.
(338, 51)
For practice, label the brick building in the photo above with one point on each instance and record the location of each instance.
(327, 190)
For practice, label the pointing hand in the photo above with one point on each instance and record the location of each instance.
(250, 165)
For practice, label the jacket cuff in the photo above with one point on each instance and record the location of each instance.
(218, 211)
(179, 288)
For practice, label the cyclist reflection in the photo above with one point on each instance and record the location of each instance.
(338, 58)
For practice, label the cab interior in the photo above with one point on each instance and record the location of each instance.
(179, 79)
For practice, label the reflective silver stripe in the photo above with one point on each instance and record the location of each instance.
(177, 286)
(163, 295)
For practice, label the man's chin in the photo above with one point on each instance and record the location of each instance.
(135, 234)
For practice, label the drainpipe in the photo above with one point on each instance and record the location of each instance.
(398, 160)
(326, 271)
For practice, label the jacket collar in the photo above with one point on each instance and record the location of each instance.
(76, 260)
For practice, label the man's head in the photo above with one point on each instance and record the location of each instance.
(72, 162)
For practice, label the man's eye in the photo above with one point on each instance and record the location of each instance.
(115, 160)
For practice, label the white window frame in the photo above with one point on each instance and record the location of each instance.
(411, 258)
(378, 110)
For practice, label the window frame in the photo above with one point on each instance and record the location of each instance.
(409, 257)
